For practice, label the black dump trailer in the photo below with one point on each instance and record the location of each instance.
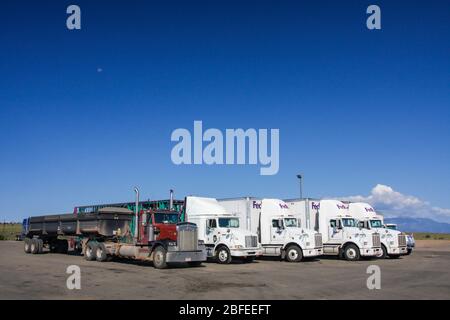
(65, 232)
(109, 232)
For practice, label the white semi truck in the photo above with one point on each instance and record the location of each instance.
(220, 231)
(410, 241)
(393, 242)
(341, 235)
(277, 228)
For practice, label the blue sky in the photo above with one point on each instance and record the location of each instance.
(355, 108)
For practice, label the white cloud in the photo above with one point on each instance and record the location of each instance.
(395, 204)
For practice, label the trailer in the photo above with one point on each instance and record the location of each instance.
(149, 235)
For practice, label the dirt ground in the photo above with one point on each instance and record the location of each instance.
(423, 275)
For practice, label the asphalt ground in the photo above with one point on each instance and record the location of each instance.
(423, 275)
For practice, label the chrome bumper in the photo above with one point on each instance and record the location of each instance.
(370, 252)
(186, 256)
(314, 252)
(246, 252)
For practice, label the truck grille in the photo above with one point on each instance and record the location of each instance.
(376, 240)
(187, 237)
(251, 241)
(402, 240)
(318, 240)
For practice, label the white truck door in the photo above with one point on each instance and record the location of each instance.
(211, 227)
(277, 232)
(335, 231)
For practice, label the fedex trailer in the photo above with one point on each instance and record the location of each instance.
(276, 226)
(341, 235)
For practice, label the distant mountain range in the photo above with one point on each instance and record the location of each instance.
(419, 225)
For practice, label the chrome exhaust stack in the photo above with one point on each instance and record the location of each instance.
(136, 216)
(171, 200)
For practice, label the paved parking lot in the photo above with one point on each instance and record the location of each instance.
(423, 275)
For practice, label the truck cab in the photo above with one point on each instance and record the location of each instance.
(340, 231)
(221, 231)
(393, 242)
(163, 225)
(278, 229)
(410, 241)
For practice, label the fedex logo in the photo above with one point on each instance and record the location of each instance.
(315, 206)
(342, 206)
(256, 205)
(283, 206)
(369, 210)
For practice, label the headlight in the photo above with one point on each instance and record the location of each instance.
(238, 246)
(171, 243)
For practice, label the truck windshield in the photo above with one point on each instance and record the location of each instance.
(166, 218)
(290, 222)
(348, 222)
(228, 223)
(392, 227)
(376, 224)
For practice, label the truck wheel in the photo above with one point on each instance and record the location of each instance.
(27, 245)
(34, 247)
(294, 254)
(351, 252)
(383, 253)
(159, 258)
(223, 255)
(409, 252)
(100, 253)
(91, 248)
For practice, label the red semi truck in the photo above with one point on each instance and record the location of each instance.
(150, 235)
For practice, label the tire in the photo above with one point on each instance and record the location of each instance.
(27, 245)
(383, 253)
(223, 255)
(409, 252)
(351, 253)
(195, 263)
(159, 258)
(293, 254)
(89, 253)
(34, 247)
(249, 259)
(101, 253)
